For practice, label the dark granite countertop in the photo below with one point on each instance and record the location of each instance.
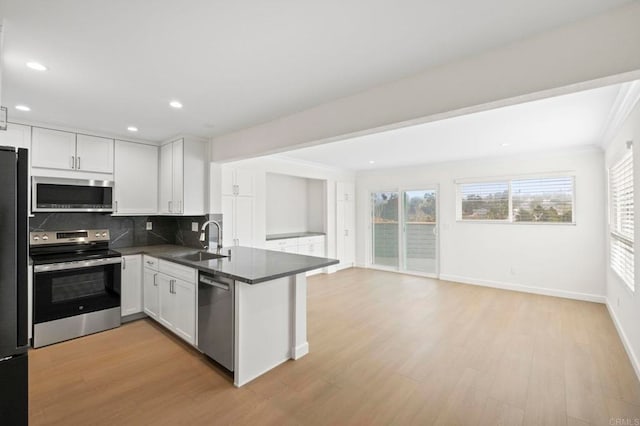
(271, 237)
(246, 264)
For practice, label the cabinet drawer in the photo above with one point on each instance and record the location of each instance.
(178, 271)
(280, 244)
(150, 262)
(316, 239)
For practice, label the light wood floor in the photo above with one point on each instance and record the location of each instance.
(385, 349)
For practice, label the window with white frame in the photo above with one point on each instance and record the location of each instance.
(522, 200)
(621, 219)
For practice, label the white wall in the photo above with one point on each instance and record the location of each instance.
(316, 202)
(549, 64)
(563, 260)
(623, 303)
(287, 201)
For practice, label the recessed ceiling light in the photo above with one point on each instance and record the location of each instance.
(36, 66)
(371, 162)
(504, 144)
(23, 108)
(175, 104)
(132, 128)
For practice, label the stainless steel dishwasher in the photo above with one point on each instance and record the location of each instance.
(216, 318)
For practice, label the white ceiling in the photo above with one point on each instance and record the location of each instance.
(563, 122)
(238, 63)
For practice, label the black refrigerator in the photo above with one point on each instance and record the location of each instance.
(14, 365)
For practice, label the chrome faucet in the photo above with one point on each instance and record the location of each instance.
(202, 236)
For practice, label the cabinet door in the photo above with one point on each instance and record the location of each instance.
(131, 285)
(228, 222)
(136, 178)
(178, 176)
(244, 182)
(227, 181)
(166, 309)
(53, 149)
(185, 308)
(17, 135)
(151, 293)
(94, 154)
(165, 181)
(243, 221)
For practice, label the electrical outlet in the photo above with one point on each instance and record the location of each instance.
(149, 226)
(194, 226)
(513, 270)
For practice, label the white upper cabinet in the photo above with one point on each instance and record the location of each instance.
(237, 182)
(94, 154)
(56, 149)
(183, 177)
(178, 176)
(17, 135)
(53, 149)
(165, 193)
(136, 178)
(238, 206)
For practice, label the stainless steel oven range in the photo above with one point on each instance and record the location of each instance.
(76, 284)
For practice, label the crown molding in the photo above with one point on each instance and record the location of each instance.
(627, 98)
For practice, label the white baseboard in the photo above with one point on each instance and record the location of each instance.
(526, 289)
(300, 351)
(625, 340)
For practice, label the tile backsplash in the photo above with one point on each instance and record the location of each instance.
(127, 231)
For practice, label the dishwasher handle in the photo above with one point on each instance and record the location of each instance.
(215, 283)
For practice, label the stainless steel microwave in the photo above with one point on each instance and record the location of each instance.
(71, 195)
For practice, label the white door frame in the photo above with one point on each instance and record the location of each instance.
(401, 234)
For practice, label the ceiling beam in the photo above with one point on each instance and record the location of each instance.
(601, 50)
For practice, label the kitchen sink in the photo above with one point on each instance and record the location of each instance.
(200, 256)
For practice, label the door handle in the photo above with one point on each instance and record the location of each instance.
(124, 263)
(155, 283)
(73, 162)
(170, 207)
(116, 206)
(78, 163)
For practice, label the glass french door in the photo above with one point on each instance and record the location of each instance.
(405, 230)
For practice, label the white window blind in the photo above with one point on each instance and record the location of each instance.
(524, 200)
(621, 203)
(543, 199)
(484, 201)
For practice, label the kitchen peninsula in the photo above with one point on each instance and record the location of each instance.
(269, 307)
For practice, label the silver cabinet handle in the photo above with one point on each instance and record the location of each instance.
(78, 162)
(179, 206)
(116, 206)
(124, 263)
(155, 282)
(149, 262)
(170, 207)
(73, 162)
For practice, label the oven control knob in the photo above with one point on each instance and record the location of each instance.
(104, 234)
(45, 237)
(36, 238)
(97, 234)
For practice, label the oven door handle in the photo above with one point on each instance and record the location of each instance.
(76, 264)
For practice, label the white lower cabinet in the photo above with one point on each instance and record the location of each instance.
(176, 304)
(131, 285)
(151, 293)
(308, 246)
